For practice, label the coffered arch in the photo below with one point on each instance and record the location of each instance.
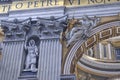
(104, 31)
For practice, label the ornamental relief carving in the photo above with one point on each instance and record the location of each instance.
(43, 27)
(52, 27)
(95, 39)
(110, 29)
(80, 29)
(15, 29)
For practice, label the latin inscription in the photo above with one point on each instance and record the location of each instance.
(88, 2)
(21, 5)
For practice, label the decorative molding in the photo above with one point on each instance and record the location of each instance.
(100, 65)
(91, 41)
(51, 27)
(97, 72)
(98, 10)
(118, 30)
(77, 11)
(45, 28)
(81, 29)
(34, 77)
(15, 29)
(105, 33)
(68, 77)
(39, 12)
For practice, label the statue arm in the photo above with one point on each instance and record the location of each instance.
(25, 46)
(36, 50)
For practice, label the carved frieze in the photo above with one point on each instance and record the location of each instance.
(15, 29)
(52, 27)
(43, 27)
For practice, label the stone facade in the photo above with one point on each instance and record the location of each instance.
(44, 26)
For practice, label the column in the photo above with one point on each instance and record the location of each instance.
(109, 51)
(101, 50)
(50, 59)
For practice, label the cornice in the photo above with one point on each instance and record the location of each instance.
(93, 10)
(39, 12)
(76, 11)
(100, 65)
(97, 6)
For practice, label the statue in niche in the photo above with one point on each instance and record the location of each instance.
(31, 58)
(81, 29)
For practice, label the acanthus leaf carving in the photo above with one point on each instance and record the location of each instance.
(52, 26)
(13, 29)
(45, 28)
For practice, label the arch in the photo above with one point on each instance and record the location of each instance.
(70, 61)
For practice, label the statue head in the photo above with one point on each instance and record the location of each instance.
(31, 42)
